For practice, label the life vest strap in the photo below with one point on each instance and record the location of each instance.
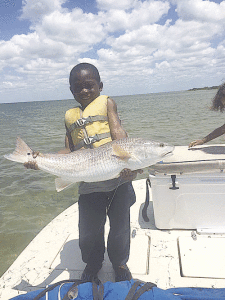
(87, 142)
(82, 122)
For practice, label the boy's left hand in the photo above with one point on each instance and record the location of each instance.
(127, 174)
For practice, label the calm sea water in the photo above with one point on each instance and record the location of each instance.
(28, 200)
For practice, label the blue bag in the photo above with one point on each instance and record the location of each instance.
(76, 289)
(124, 290)
(54, 291)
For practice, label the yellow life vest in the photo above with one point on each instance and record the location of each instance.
(89, 128)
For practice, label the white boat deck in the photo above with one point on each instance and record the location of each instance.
(169, 258)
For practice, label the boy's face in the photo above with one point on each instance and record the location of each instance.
(85, 88)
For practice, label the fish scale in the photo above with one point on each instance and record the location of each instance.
(93, 165)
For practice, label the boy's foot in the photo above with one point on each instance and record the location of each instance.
(90, 274)
(122, 273)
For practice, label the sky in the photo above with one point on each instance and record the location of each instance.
(139, 46)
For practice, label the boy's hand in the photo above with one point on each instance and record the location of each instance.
(31, 165)
(127, 174)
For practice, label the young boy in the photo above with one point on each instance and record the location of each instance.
(92, 124)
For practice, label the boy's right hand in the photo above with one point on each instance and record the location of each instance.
(129, 175)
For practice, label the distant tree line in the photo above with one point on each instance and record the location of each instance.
(205, 88)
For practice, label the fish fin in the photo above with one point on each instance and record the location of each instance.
(120, 152)
(20, 153)
(123, 154)
(61, 184)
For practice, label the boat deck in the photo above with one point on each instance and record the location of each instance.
(168, 258)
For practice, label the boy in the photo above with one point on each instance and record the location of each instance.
(92, 124)
(96, 200)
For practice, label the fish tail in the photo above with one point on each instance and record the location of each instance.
(21, 152)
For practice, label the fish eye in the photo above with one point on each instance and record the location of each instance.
(161, 145)
(28, 153)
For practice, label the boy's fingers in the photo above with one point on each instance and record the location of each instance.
(31, 165)
(130, 175)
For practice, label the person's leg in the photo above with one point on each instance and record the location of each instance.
(92, 217)
(118, 245)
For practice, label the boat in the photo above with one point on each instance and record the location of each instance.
(177, 231)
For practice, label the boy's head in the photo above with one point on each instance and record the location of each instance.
(85, 83)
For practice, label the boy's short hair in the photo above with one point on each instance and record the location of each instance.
(84, 66)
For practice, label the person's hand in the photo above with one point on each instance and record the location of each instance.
(32, 164)
(195, 143)
(129, 175)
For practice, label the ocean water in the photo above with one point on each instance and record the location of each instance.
(28, 199)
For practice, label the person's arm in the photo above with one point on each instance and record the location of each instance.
(118, 132)
(214, 134)
(68, 144)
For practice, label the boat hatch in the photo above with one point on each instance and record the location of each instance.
(202, 256)
(139, 254)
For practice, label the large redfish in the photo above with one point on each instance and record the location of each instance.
(92, 165)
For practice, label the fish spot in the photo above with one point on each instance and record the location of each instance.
(161, 145)
(28, 153)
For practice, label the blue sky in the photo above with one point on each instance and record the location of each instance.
(139, 46)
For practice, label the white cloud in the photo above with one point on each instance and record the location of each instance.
(8, 50)
(35, 10)
(7, 84)
(163, 65)
(142, 13)
(148, 36)
(204, 11)
(115, 4)
(72, 28)
(168, 52)
(131, 42)
(182, 39)
(13, 85)
(55, 44)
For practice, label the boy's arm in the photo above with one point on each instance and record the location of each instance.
(66, 149)
(116, 130)
(68, 144)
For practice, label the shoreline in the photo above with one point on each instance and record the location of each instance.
(204, 88)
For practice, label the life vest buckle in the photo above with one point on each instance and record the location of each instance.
(89, 140)
(81, 122)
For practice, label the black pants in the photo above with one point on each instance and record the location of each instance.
(92, 218)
